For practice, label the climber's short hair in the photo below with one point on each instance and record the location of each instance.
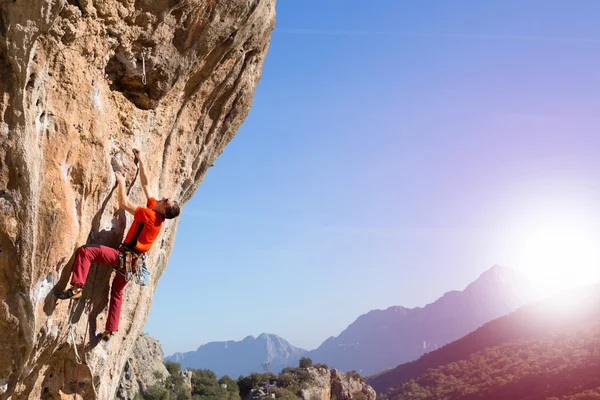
(172, 211)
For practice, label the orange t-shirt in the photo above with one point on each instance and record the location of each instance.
(145, 227)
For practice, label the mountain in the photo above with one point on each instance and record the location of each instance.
(382, 339)
(243, 357)
(548, 349)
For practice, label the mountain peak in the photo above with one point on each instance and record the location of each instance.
(381, 339)
(499, 274)
(241, 358)
(267, 336)
(498, 271)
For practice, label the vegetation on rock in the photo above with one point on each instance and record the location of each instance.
(203, 384)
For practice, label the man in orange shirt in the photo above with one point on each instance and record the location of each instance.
(142, 233)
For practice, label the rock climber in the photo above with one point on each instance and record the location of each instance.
(144, 230)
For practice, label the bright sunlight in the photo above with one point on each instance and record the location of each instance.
(557, 247)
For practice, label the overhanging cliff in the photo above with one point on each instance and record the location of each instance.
(81, 83)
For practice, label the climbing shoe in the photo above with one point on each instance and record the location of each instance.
(71, 293)
(106, 335)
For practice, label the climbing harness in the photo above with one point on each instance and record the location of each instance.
(132, 265)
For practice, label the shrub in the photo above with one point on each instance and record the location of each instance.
(285, 394)
(305, 362)
(355, 375)
(173, 367)
(156, 392)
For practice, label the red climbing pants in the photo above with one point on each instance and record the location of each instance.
(108, 256)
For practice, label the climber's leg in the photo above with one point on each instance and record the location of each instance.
(87, 254)
(116, 299)
(81, 267)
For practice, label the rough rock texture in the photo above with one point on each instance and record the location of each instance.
(186, 374)
(320, 387)
(347, 387)
(329, 383)
(73, 103)
(143, 369)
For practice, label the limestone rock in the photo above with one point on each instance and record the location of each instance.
(143, 369)
(320, 387)
(328, 384)
(348, 387)
(84, 81)
(258, 394)
(186, 374)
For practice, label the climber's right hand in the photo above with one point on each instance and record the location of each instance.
(138, 155)
(120, 178)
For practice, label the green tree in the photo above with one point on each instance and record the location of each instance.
(232, 390)
(181, 393)
(173, 367)
(285, 394)
(205, 385)
(305, 362)
(156, 392)
(285, 379)
(252, 381)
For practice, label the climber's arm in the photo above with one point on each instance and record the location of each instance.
(124, 202)
(143, 175)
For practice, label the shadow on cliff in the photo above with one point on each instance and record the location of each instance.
(97, 286)
(65, 374)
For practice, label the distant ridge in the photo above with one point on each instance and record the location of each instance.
(242, 357)
(382, 339)
(568, 311)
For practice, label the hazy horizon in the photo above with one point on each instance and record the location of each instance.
(537, 297)
(394, 152)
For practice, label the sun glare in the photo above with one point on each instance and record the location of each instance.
(558, 249)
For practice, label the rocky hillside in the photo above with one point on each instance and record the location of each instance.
(243, 357)
(143, 368)
(315, 383)
(333, 384)
(84, 81)
(382, 339)
(542, 345)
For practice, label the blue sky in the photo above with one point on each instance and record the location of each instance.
(394, 151)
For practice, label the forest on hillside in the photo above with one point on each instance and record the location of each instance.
(563, 366)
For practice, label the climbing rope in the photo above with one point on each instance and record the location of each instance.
(87, 325)
(72, 336)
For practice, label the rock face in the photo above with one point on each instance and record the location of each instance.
(143, 369)
(329, 383)
(84, 81)
(382, 339)
(320, 388)
(243, 357)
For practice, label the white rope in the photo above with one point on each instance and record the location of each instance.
(72, 335)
